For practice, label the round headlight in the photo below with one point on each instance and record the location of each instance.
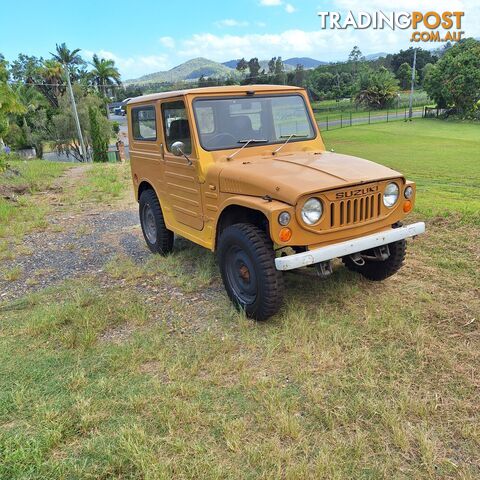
(408, 193)
(390, 195)
(312, 211)
(284, 218)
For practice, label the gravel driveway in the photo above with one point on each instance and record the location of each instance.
(83, 246)
(74, 244)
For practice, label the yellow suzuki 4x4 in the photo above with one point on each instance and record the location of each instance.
(243, 171)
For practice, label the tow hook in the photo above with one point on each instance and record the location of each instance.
(324, 269)
(357, 259)
(379, 254)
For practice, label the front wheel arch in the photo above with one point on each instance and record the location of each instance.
(233, 214)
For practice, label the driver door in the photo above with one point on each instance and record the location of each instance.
(180, 179)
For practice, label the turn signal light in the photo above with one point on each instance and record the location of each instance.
(407, 206)
(285, 234)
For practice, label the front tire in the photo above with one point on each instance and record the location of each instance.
(380, 270)
(157, 237)
(247, 265)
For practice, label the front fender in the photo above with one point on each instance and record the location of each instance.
(269, 208)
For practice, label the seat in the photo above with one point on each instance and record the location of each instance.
(241, 127)
(180, 131)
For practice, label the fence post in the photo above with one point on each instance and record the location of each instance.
(369, 117)
(350, 118)
(341, 120)
(405, 117)
(327, 123)
(387, 115)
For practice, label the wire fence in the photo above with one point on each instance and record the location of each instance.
(350, 119)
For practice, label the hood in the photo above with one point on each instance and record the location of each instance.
(289, 176)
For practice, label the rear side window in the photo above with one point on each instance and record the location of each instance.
(144, 124)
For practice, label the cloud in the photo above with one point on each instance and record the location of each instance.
(131, 67)
(230, 22)
(167, 42)
(289, 8)
(270, 3)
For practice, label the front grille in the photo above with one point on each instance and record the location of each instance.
(355, 210)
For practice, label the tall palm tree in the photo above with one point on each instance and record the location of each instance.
(70, 58)
(67, 57)
(104, 73)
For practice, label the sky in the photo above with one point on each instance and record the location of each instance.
(147, 36)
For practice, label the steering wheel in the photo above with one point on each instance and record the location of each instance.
(213, 141)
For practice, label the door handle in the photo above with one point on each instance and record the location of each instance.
(162, 151)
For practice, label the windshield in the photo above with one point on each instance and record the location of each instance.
(225, 123)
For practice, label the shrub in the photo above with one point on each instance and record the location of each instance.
(99, 139)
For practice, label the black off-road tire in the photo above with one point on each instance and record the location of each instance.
(157, 237)
(247, 264)
(375, 270)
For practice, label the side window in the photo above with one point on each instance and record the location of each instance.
(144, 124)
(175, 125)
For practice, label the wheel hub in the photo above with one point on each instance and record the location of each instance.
(245, 273)
(241, 275)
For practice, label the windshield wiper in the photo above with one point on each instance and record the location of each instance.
(246, 143)
(288, 137)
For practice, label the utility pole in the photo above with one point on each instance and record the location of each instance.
(75, 114)
(410, 113)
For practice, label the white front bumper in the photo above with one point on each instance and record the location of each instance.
(343, 249)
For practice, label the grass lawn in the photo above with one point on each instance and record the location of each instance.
(144, 371)
(26, 212)
(442, 157)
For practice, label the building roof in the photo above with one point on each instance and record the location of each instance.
(234, 89)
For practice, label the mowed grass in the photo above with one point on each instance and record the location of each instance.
(443, 157)
(146, 371)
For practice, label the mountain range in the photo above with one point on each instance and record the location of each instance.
(197, 67)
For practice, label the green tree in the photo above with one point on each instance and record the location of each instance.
(354, 58)
(64, 132)
(375, 88)
(406, 56)
(99, 137)
(254, 67)
(425, 70)
(279, 76)
(9, 103)
(67, 57)
(404, 75)
(299, 76)
(271, 65)
(242, 65)
(104, 73)
(454, 81)
(46, 76)
(31, 127)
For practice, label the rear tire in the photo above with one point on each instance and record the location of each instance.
(375, 270)
(247, 265)
(157, 237)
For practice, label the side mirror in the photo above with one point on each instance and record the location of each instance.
(178, 148)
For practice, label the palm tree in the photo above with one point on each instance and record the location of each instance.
(70, 58)
(52, 72)
(67, 57)
(104, 73)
